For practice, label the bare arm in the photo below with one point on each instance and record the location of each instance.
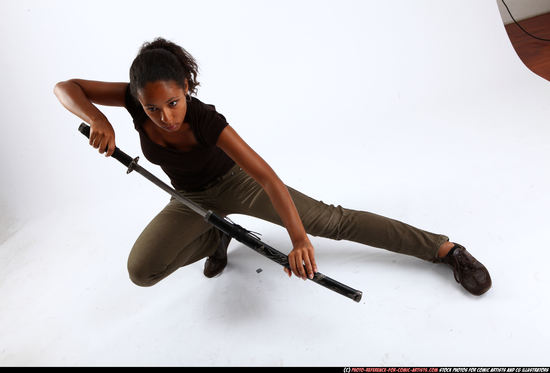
(78, 96)
(232, 144)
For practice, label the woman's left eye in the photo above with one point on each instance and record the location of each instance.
(173, 103)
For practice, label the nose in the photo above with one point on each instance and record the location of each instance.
(165, 117)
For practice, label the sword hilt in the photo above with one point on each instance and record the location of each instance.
(118, 154)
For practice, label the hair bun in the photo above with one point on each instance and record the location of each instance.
(146, 67)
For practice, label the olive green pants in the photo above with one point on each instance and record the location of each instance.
(177, 236)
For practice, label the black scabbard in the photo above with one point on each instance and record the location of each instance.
(246, 237)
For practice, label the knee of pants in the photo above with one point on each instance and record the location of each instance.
(140, 276)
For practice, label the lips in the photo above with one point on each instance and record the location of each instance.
(170, 127)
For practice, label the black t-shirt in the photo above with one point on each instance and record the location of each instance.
(187, 170)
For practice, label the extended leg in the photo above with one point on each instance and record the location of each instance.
(336, 222)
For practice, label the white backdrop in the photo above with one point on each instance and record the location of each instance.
(420, 111)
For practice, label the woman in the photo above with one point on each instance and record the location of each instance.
(212, 165)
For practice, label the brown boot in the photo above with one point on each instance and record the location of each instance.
(470, 273)
(216, 263)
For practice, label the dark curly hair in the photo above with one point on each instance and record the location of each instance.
(163, 60)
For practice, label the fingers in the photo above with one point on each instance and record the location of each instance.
(287, 271)
(108, 148)
(301, 265)
(101, 146)
(314, 265)
(104, 143)
(95, 139)
(309, 268)
(292, 264)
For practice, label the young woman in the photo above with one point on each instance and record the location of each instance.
(209, 163)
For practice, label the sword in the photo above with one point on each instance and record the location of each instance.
(234, 230)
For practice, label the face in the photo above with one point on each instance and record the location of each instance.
(164, 102)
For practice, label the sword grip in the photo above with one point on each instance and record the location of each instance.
(119, 155)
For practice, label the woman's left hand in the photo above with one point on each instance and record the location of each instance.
(302, 255)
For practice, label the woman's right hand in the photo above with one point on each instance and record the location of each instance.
(102, 137)
(79, 96)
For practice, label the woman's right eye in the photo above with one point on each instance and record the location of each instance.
(151, 109)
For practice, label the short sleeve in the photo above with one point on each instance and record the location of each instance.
(211, 125)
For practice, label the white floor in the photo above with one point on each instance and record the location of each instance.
(463, 152)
